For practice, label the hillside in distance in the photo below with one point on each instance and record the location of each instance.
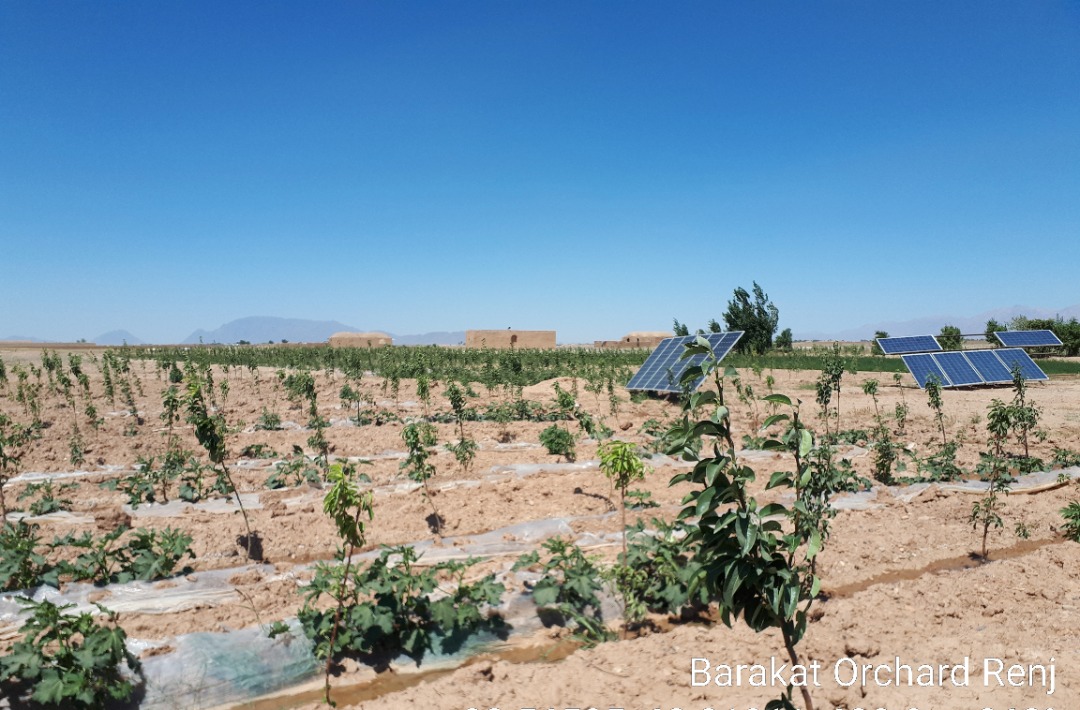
(263, 329)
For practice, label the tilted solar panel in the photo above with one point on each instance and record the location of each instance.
(989, 366)
(1015, 357)
(664, 368)
(922, 366)
(909, 344)
(957, 368)
(1027, 338)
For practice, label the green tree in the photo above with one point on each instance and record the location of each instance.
(784, 341)
(950, 338)
(875, 349)
(992, 326)
(757, 319)
(680, 329)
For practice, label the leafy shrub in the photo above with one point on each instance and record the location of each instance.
(297, 470)
(568, 591)
(69, 661)
(1071, 513)
(46, 501)
(558, 441)
(268, 421)
(667, 558)
(22, 565)
(389, 608)
(1065, 458)
(148, 555)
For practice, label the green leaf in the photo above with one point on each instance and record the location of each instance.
(774, 419)
(777, 399)
(806, 442)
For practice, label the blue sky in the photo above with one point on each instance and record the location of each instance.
(589, 167)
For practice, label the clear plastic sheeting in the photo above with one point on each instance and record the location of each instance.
(176, 508)
(162, 597)
(60, 517)
(1027, 481)
(107, 471)
(512, 539)
(205, 670)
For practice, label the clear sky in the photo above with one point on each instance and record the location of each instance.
(589, 167)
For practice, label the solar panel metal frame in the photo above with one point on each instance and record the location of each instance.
(958, 369)
(1027, 338)
(663, 369)
(902, 344)
(916, 365)
(1028, 368)
(989, 366)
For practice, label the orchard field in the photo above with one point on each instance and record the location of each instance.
(207, 496)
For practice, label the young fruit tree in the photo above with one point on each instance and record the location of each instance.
(757, 561)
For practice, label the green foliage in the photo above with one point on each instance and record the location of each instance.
(1071, 513)
(758, 320)
(419, 437)
(620, 462)
(464, 451)
(992, 326)
(148, 555)
(268, 421)
(667, 557)
(758, 561)
(22, 564)
(986, 512)
(294, 472)
(657, 432)
(950, 338)
(937, 467)
(933, 399)
(639, 500)
(14, 440)
(679, 329)
(347, 506)
(211, 430)
(558, 441)
(1067, 331)
(70, 661)
(1065, 458)
(785, 341)
(875, 349)
(45, 500)
(568, 591)
(391, 607)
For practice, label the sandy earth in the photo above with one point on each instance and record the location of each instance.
(898, 577)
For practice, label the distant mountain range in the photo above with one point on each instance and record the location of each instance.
(117, 337)
(264, 329)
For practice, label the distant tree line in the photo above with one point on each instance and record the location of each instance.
(950, 337)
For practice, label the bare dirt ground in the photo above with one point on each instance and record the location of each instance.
(900, 586)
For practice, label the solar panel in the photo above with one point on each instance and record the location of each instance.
(957, 368)
(989, 366)
(1027, 338)
(1012, 357)
(663, 369)
(922, 366)
(909, 344)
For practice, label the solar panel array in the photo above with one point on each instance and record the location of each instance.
(663, 369)
(909, 344)
(1027, 338)
(976, 367)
